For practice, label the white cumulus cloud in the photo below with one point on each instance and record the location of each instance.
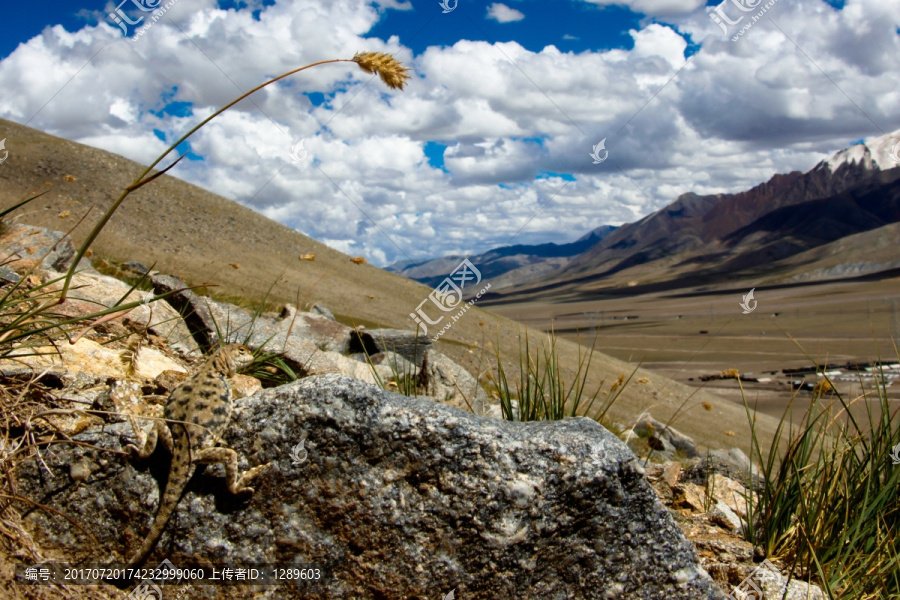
(504, 14)
(516, 124)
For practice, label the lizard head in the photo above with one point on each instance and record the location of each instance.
(236, 357)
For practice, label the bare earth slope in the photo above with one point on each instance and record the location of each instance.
(197, 235)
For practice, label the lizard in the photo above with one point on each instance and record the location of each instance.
(196, 414)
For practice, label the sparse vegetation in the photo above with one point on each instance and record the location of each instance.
(828, 505)
(271, 370)
(541, 392)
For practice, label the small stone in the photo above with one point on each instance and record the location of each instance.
(169, 380)
(722, 515)
(691, 496)
(671, 473)
(79, 471)
(243, 386)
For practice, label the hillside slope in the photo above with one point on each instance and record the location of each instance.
(198, 236)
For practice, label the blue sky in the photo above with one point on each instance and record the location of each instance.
(490, 142)
(571, 26)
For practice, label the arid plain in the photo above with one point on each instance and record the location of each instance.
(690, 334)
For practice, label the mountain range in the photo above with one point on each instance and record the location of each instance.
(839, 219)
(496, 262)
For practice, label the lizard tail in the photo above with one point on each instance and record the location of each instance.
(178, 478)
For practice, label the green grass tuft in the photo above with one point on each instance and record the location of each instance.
(542, 393)
(829, 504)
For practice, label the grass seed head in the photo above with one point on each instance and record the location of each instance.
(391, 71)
(730, 374)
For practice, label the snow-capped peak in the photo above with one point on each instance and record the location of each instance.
(882, 153)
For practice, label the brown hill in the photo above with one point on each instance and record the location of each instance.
(197, 235)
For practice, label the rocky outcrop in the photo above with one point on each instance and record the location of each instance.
(712, 517)
(409, 344)
(449, 382)
(24, 246)
(666, 441)
(92, 291)
(396, 497)
(314, 343)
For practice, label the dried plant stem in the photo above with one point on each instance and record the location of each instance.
(140, 180)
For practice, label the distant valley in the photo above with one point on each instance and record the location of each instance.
(820, 250)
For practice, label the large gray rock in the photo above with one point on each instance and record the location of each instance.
(326, 333)
(396, 497)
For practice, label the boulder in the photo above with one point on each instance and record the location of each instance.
(396, 497)
(410, 345)
(193, 308)
(25, 243)
(92, 292)
(208, 320)
(79, 364)
(398, 365)
(448, 382)
(322, 311)
(327, 334)
(664, 439)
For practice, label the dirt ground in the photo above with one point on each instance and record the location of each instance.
(688, 334)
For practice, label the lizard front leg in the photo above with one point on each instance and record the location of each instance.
(146, 442)
(228, 457)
